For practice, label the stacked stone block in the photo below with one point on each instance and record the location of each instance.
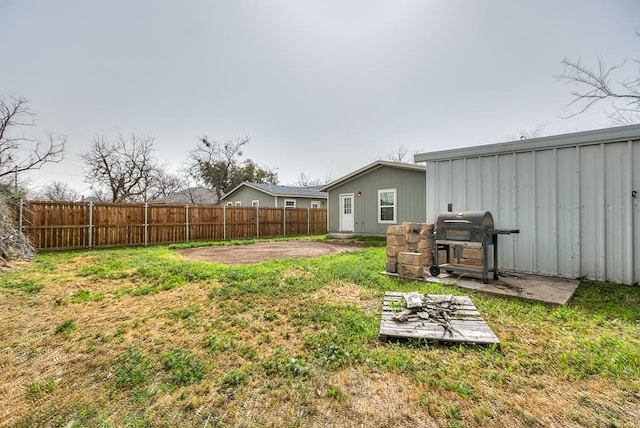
(467, 256)
(409, 249)
(396, 243)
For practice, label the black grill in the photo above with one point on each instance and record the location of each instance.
(467, 229)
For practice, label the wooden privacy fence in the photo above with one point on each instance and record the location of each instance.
(72, 225)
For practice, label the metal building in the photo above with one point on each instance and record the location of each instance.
(574, 197)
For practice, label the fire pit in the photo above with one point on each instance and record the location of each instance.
(467, 229)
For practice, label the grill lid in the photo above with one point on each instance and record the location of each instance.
(464, 225)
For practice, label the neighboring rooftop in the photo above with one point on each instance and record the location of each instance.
(279, 190)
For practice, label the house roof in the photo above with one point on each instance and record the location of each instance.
(371, 167)
(597, 136)
(278, 190)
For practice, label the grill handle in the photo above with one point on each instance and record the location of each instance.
(458, 221)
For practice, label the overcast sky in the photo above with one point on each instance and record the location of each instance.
(323, 87)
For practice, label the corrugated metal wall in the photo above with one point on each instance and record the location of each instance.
(573, 205)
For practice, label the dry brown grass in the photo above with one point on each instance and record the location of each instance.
(52, 378)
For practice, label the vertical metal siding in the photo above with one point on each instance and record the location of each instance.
(567, 210)
(525, 211)
(591, 212)
(546, 216)
(634, 159)
(618, 218)
(473, 184)
(573, 206)
(506, 214)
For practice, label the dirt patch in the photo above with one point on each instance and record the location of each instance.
(263, 251)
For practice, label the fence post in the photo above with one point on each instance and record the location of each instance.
(186, 222)
(284, 220)
(224, 222)
(146, 224)
(21, 210)
(308, 221)
(90, 224)
(257, 221)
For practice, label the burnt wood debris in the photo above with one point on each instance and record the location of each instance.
(429, 309)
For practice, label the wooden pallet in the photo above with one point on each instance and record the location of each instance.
(465, 325)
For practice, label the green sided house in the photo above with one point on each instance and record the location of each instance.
(370, 199)
(249, 194)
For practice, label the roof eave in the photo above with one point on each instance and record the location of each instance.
(368, 168)
(607, 135)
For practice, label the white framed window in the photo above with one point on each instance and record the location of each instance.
(255, 203)
(290, 203)
(387, 205)
(315, 204)
(229, 204)
(238, 203)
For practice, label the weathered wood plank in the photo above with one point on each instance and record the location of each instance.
(465, 323)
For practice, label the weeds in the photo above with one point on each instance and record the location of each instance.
(184, 367)
(65, 328)
(84, 295)
(41, 388)
(29, 286)
(282, 364)
(234, 378)
(132, 369)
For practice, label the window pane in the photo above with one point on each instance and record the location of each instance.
(386, 214)
(387, 205)
(347, 205)
(386, 199)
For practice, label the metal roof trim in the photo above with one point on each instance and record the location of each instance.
(597, 136)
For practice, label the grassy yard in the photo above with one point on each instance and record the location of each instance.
(143, 337)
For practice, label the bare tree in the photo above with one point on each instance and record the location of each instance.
(165, 183)
(19, 151)
(218, 165)
(600, 83)
(125, 168)
(402, 155)
(305, 180)
(58, 191)
(536, 132)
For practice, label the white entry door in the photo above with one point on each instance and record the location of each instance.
(346, 213)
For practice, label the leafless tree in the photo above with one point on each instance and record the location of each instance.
(402, 155)
(20, 151)
(305, 180)
(536, 132)
(165, 183)
(58, 191)
(126, 169)
(601, 83)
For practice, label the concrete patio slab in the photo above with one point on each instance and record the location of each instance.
(546, 289)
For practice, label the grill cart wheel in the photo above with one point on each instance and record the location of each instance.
(434, 270)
